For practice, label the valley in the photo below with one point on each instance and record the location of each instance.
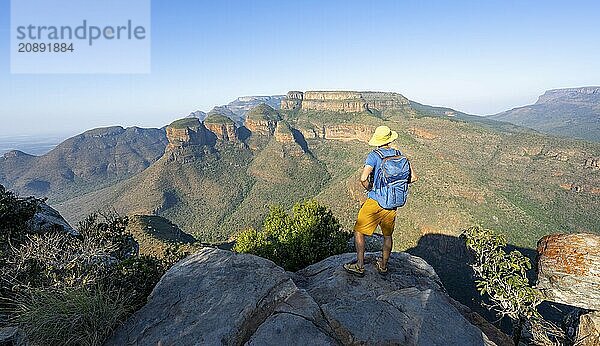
(214, 178)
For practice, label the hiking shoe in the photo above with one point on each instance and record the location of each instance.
(354, 269)
(380, 268)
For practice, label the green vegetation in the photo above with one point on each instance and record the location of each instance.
(503, 278)
(214, 118)
(157, 235)
(70, 317)
(185, 122)
(504, 178)
(311, 233)
(67, 290)
(263, 112)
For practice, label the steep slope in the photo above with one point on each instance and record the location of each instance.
(155, 235)
(573, 112)
(83, 163)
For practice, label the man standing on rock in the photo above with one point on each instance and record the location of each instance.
(385, 176)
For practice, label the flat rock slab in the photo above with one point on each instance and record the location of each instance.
(569, 269)
(408, 306)
(217, 297)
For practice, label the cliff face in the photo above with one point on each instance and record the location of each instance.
(571, 95)
(343, 101)
(283, 133)
(572, 112)
(262, 120)
(223, 131)
(187, 136)
(292, 100)
(342, 132)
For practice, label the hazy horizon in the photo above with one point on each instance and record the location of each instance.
(477, 57)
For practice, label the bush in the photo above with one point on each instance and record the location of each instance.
(59, 260)
(70, 317)
(15, 214)
(310, 234)
(66, 290)
(503, 277)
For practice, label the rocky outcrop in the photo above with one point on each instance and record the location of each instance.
(422, 133)
(592, 163)
(262, 120)
(569, 269)
(572, 112)
(292, 100)
(47, 219)
(343, 101)
(337, 101)
(569, 273)
(222, 126)
(348, 132)
(190, 131)
(283, 133)
(569, 94)
(341, 132)
(219, 297)
(185, 133)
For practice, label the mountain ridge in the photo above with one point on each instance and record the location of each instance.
(571, 112)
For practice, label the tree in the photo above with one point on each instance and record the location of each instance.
(503, 277)
(310, 234)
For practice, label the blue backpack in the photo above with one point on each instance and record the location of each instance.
(391, 184)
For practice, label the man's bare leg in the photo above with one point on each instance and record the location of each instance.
(359, 242)
(387, 249)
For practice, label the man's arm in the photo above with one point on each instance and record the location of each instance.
(364, 177)
(413, 176)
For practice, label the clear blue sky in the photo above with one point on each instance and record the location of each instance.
(480, 57)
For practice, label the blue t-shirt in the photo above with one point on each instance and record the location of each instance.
(374, 161)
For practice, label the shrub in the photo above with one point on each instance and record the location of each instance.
(70, 317)
(66, 290)
(310, 234)
(15, 214)
(503, 277)
(136, 276)
(57, 259)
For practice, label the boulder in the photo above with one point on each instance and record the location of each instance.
(47, 219)
(219, 297)
(569, 269)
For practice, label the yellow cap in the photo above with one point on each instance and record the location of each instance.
(382, 136)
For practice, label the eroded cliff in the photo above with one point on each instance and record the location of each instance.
(343, 101)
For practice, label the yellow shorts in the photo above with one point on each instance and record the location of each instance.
(372, 215)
